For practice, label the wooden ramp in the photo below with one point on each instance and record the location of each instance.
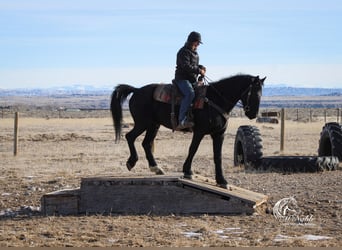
(160, 195)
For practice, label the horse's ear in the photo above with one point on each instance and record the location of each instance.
(263, 79)
(255, 79)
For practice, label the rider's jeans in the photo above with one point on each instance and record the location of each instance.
(188, 95)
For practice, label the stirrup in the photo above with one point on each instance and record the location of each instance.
(185, 125)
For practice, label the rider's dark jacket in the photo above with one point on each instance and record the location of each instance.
(187, 64)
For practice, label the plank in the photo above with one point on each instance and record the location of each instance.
(207, 184)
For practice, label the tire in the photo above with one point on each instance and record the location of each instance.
(327, 163)
(248, 147)
(330, 142)
(297, 164)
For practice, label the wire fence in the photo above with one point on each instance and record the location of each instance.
(294, 114)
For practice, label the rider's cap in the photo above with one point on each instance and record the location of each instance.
(194, 37)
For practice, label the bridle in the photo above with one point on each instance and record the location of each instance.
(247, 108)
(248, 91)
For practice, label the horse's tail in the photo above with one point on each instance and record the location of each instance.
(118, 97)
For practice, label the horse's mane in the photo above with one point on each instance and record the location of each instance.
(232, 78)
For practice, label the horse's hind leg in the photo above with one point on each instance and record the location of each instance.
(147, 143)
(130, 137)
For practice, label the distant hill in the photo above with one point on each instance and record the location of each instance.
(291, 91)
(72, 90)
(89, 97)
(79, 90)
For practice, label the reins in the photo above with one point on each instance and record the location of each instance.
(208, 81)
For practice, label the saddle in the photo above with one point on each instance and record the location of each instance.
(169, 93)
(166, 92)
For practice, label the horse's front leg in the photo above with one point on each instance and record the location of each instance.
(147, 143)
(217, 147)
(196, 140)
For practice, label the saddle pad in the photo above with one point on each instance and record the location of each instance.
(163, 93)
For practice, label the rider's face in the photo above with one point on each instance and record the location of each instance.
(195, 45)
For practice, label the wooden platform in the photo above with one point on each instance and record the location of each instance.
(161, 195)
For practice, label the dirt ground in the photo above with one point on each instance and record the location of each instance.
(56, 153)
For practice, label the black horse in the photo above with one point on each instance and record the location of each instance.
(148, 114)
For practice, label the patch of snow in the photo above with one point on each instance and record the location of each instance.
(281, 237)
(191, 234)
(314, 237)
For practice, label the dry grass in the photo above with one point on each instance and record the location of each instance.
(55, 153)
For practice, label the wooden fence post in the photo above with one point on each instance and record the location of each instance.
(325, 116)
(16, 131)
(282, 129)
(338, 115)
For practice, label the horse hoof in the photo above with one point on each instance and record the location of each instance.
(157, 170)
(131, 163)
(188, 176)
(129, 166)
(223, 185)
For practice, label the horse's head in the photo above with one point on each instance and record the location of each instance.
(250, 98)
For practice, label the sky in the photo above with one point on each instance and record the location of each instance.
(51, 43)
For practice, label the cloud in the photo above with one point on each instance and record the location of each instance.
(66, 42)
(296, 75)
(329, 76)
(93, 76)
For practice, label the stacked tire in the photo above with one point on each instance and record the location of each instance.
(248, 147)
(299, 164)
(248, 152)
(330, 142)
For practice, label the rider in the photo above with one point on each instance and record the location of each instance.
(187, 71)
